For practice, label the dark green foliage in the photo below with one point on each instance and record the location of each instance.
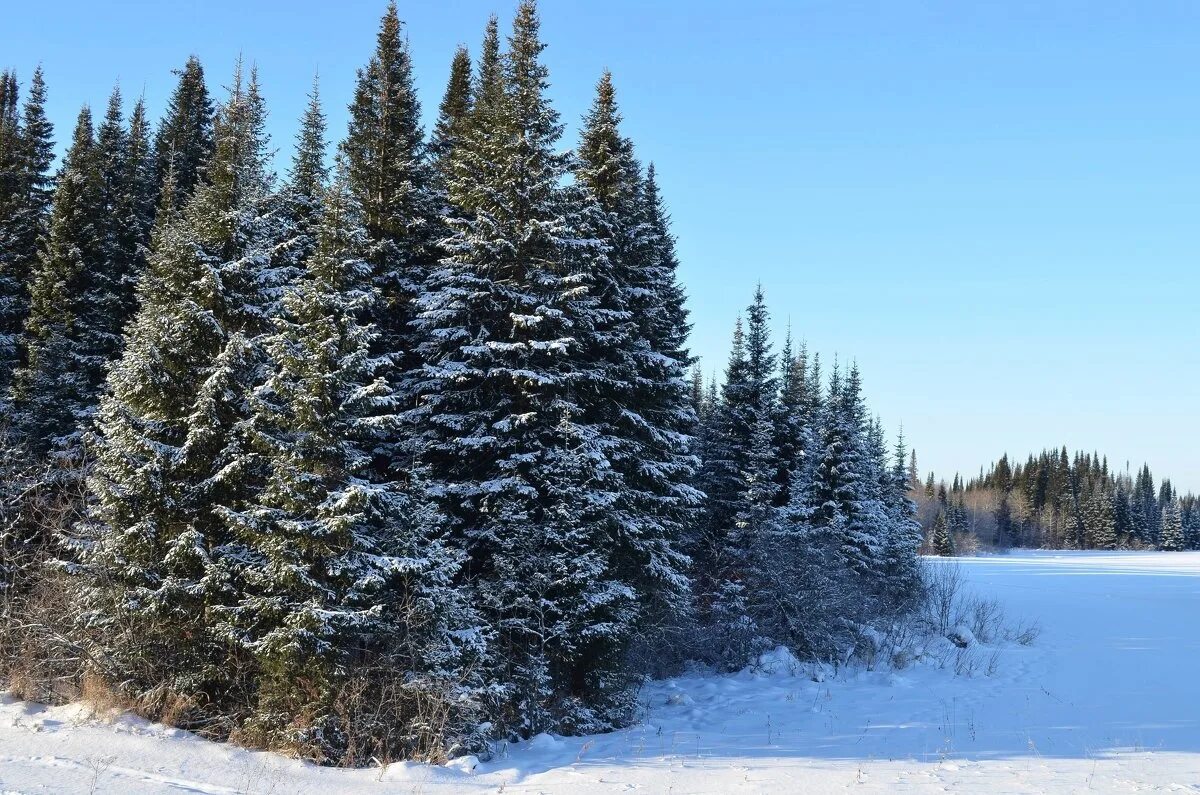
(26, 185)
(1056, 500)
(453, 114)
(391, 180)
(184, 142)
(505, 324)
(940, 540)
(173, 444)
(392, 467)
(337, 569)
(66, 340)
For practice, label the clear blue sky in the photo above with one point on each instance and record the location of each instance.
(992, 206)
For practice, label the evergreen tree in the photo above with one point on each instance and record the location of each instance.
(903, 537)
(791, 422)
(1102, 526)
(184, 142)
(1191, 525)
(1172, 538)
(335, 564)
(843, 490)
(941, 542)
(391, 181)
(172, 447)
(25, 159)
(523, 480)
(640, 402)
(65, 340)
(135, 206)
(306, 184)
(453, 114)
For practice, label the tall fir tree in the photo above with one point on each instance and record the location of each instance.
(454, 113)
(306, 183)
(1172, 538)
(903, 535)
(940, 541)
(640, 402)
(135, 207)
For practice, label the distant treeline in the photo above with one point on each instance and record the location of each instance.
(1055, 501)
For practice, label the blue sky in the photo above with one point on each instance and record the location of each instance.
(993, 207)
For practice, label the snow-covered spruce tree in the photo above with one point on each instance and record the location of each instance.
(1102, 528)
(303, 193)
(902, 566)
(26, 188)
(846, 492)
(789, 419)
(1191, 525)
(82, 293)
(640, 400)
(346, 598)
(1172, 538)
(940, 541)
(1149, 521)
(134, 205)
(736, 556)
(723, 459)
(183, 144)
(812, 598)
(12, 199)
(391, 180)
(63, 332)
(172, 445)
(521, 476)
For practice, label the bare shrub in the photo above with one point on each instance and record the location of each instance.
(1025, 633)
(985, 618)
(943, 605)
(965, 662)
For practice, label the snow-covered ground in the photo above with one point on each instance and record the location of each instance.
(1106, 700)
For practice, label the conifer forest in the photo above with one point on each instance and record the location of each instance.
(402, 451)
(387, 443)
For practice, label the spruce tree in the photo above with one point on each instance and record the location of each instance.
(184, 142)
(723, 460)
(136, 205)
(391, 180)
(336, 565)
(843, 490)
(12, 199)
(453, 114)
(1102, 527)
(63, 332)
(25, 160)
(522, 478)
(173, 445)
(903, 535)
(1191, 525)
(639, 401)
(306, 183)
(1172, 538)
(940, 541)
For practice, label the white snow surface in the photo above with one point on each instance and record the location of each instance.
(1106, 700)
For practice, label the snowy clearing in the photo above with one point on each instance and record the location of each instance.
(1106, 700)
